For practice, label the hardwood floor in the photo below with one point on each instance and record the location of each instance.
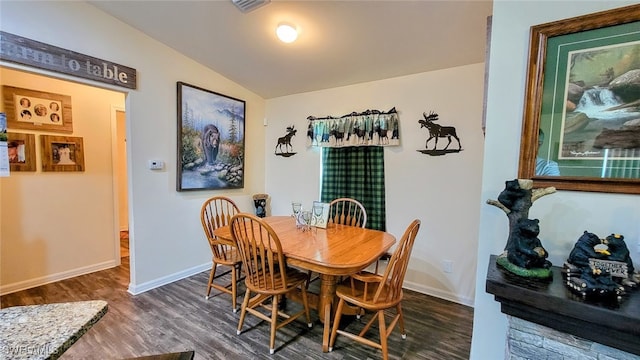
(176, 317)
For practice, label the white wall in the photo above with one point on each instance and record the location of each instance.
(442, 191)
(564, 215)
(168, 241)
(59, 224)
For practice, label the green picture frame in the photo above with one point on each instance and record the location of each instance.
(579, 128)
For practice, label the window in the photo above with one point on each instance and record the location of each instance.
(357, 173)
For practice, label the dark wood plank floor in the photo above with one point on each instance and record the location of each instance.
(176, 317)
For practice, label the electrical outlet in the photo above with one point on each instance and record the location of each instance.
(447, 266)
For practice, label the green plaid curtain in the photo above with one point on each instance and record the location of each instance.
(356, 172)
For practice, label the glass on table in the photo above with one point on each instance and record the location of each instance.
(297, 207)
(318, 209)
(306, 220)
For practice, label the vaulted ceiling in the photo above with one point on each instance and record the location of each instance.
(340, 42)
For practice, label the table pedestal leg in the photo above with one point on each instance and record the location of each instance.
(325, 304)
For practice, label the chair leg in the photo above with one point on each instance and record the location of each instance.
(274, 323)
(234, 288)
(243, 311)
(305, 302)
(401, 321)
(336, 323)
(212, 274)
(383, 335)
(367, 326)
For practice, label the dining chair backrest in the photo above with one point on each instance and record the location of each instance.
(264, 263)
(393, 277)
(347, 211)
(217, 212)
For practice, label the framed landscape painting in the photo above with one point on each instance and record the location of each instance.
(211, 140)
(581, 128)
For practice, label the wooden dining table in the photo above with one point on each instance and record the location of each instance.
(336, 251)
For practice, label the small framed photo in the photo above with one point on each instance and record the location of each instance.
(62, 153)
(22, 151)
(37, 110)
(320, 214)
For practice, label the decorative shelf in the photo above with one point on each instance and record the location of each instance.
(552, 304)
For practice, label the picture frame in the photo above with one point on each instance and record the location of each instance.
(25, 150)
(62, 153)
(571, 62)
(320, 214)
(37, 110)
(211, 140)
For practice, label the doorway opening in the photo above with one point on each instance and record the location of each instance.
(120, 178)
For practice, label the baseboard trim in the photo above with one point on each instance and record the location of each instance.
(139, 289)
(31, 283)
(445, 295)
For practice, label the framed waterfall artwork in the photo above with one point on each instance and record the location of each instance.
(581, 126)
(211, 140)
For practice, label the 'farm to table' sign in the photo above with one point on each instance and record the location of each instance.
(29, 52)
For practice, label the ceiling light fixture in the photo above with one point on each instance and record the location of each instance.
(287, 33)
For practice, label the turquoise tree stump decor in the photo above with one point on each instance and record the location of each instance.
(524, 254)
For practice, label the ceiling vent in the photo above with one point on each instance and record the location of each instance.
(248, 5)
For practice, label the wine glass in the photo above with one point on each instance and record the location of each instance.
(318, 209)
(296, 206)
(306, 219)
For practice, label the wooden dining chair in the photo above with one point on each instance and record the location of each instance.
(377, 293)
(266, 274)
(217, 212)
(347, 211)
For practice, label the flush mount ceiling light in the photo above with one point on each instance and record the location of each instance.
(286, 32)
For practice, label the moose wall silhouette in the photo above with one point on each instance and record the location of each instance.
(286, 141)
(437, 131)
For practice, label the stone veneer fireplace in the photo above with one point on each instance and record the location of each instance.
(548, 321)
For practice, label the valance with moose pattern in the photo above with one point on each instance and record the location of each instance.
(368, 128)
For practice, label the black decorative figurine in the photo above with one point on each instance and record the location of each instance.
(524, 254)
(600, 268)
(260, 202)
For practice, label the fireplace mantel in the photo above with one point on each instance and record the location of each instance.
(552, 304)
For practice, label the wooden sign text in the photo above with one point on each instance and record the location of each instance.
(29, 52)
